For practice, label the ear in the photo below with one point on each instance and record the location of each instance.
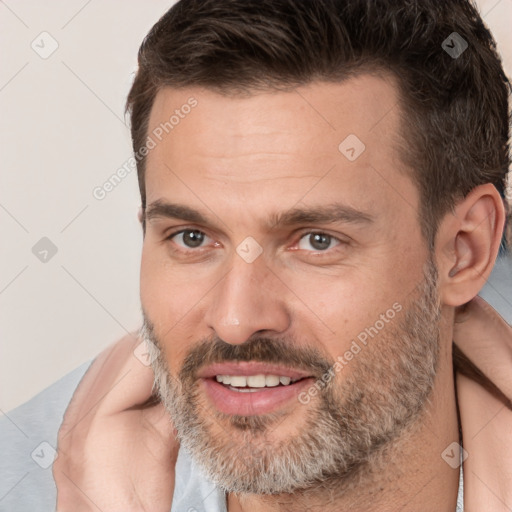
(139, 214)
(467, 244)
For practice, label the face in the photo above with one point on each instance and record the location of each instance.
(285, 281)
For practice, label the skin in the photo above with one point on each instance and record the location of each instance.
(95, 470)
(238, 161)
(241, 161)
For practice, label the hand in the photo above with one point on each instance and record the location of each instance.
(116, 446)
(485, 416)
(486, 339)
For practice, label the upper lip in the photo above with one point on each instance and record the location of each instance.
(247, 368)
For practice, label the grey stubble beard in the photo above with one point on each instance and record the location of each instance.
(347, 435)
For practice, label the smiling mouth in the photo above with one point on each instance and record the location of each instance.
(253, 394)
(254, 383)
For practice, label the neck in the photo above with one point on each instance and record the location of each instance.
(407, 474)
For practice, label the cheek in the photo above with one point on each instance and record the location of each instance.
(347, 311)
(154, 294)
(168, 292)
(355, 306)
(174, 302)
(146, 278)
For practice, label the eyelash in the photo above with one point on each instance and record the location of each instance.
(301, 236)
(179, 249)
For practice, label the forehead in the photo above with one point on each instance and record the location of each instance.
(273, 147)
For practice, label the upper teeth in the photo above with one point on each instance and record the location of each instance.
(253, 381)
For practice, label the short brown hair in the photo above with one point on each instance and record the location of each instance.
(455, 117)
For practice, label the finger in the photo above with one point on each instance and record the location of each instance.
(115, 381)
(160, 420)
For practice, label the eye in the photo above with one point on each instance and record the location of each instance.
(189, 238)
(317, 242)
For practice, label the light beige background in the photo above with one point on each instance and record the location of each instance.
(63, 133)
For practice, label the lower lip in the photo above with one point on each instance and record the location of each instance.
(262, 401)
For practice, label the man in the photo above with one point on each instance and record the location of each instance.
(321, 188)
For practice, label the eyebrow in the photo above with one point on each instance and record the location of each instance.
(160, 208)
(327, 214)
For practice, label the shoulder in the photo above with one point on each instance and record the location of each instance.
(28, 444)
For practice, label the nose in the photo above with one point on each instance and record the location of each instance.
(250, 299)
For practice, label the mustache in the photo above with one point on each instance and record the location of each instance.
(258, 349)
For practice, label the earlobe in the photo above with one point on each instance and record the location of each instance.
(139, 214)
(473, 234)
